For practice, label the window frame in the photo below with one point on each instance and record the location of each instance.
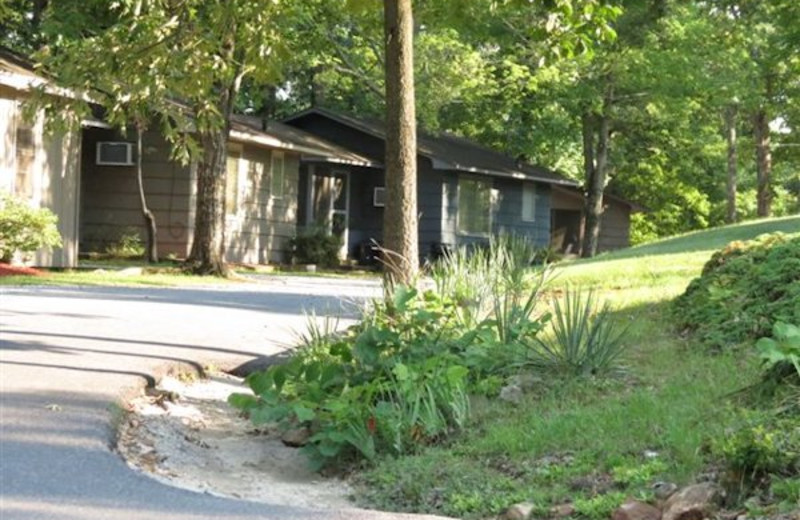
(235, 153)
(272, 176)
(24, 178)
(489, 186)
(529, 187)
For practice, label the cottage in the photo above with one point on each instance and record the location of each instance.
(261, 191)
(466, 193)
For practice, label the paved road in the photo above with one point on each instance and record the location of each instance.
(68, 354)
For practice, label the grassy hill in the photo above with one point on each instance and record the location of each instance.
(594, 442)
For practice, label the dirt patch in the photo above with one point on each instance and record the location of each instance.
(186, 435)
(18, 270)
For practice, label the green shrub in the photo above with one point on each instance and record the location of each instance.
(316, 245)
(584, 339)
(400, 379)
(763, 447)
(24, 229)
(128, 245)
(743, 290)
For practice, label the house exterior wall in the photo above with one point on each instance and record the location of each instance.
(54, 175)
(259, 230)
(111, 205)
(506, 212)
(614, 224)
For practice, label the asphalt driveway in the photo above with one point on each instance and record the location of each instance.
(68, 354)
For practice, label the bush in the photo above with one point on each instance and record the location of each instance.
(400, 379)
(128, 245)
(316, 245)
(24, 229)
(743, 290)
(764, 447)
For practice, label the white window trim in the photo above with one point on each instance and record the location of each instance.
(235, 151)
(480, 234)
(532, 186)
(282, 157)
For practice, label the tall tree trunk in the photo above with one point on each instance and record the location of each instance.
(149, 219)
(208, 248)
(763, 162)
(596, 167)
(400, 234)
(730, 138)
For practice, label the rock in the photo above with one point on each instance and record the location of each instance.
(511, 394)
(296, 437)
(520, 511)
(692, 502)
(562, 510)
(664, 490)
(635, 510)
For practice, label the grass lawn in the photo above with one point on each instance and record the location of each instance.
(592, 443)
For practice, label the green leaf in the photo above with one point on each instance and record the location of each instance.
(303, 413)
(401, 372)
(403, 295)
(242, 401)
(260, 382)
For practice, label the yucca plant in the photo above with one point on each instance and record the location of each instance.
(584, 339)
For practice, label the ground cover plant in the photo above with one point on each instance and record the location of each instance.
(591, 442)
(743, 290)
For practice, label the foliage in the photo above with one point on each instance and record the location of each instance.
(584, 339)
(316, 245)
(128, 245)
(25, 229)
(600, 506)
(782, 348)
(762, 447)
(400, 379)
(743, 290)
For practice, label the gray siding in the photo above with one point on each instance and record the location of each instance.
(110, 196)
(506, 212)
(258, 231)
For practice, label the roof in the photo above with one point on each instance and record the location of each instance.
(278, 135)
(18, 73)
(449, 152)
(607, 195)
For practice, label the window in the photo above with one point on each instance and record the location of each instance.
(276, 179)
(114, 153)
(232, 183)
(528, 201)
(25, 154)
(474, 206)
(379, 197)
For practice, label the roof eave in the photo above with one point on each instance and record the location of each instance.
(443, 165)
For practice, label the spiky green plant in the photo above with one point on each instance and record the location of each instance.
(584, 340)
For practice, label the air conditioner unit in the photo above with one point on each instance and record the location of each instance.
(114, 153)
(379, 197)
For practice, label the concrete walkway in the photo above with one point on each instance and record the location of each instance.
(68, 354)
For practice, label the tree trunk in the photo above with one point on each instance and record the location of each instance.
(149, 219)
(208, 248)
(595, 166)
(730, 137)
(763, 162)
(400, 235)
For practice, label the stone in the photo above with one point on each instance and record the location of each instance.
(694, 502)
(664, 490)
(562, 510)
(635, 510)
(296, 437)
(520, 511)
(511, 394)
(525, 381)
